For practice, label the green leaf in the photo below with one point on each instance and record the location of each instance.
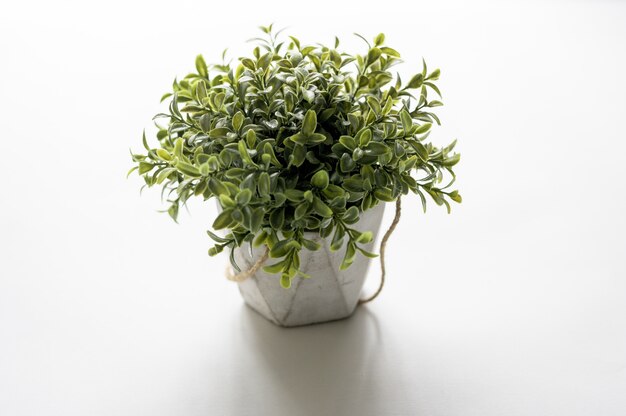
(205, 123)
(201, 91)
(201, 66)
(296, 42)
(243, 152)
(260, 239)
(320, 179)
(351, 215)
(283, 247)
(299, 138)
(423, 128)
(214, 251)
(257, 219)
(433, 87)
(188, 169)
(333, 191)
(217, 187)
(164, 174)
(365, 137)
(416, 81)
(308, 95)
(264, 61)
(374, 105)
(213, 163)
(301, 210)
(455, 196)
(250, 138)
(321, 208)
(244, 197)
(421, 151)
(316, 138)
(218, 132)
(434, 75)
(238, 121)
(191, 108)
(298, 155)
(263, 184)
(365, 237)
(309, 123)
(377, 148)
(218, 100)
(237, 215)
(388, 106)
(348, 258)
(248, 63)
(353, 184)
(277, 218)
(407, 122)
(267, 149)
(348, 142)
(451, 161)
(337, 240)
(311, 245)
(379, 39)
(384, 194)
(276, 267)
(367, 253)
(145, 142)
(226, 201)
(164, 155)
(279, 198)
(373, 55)
(390, 51)
(346, 164)
(145, 167)
(223, 220)
(294, 195)
(285, 281)
(216, 237)
(173, 212)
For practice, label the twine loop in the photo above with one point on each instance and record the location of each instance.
(245, 274)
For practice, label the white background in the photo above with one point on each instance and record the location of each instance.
(513, 305)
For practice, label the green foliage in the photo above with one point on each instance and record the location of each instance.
(298, 138)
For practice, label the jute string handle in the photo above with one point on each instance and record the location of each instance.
(243, 275)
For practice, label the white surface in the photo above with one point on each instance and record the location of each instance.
(513, 305)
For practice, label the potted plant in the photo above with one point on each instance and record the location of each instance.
(302, 147)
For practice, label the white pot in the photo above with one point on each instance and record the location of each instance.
(329, 294)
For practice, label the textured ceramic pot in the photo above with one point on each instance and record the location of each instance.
(329, 294)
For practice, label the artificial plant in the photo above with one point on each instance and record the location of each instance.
(296, 139)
